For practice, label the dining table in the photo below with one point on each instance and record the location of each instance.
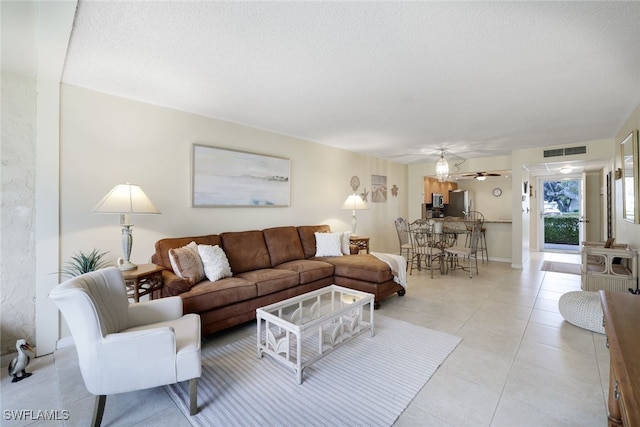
(430, 239)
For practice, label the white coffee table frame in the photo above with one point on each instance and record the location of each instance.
(337, 313)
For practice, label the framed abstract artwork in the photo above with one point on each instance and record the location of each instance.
(229, 178)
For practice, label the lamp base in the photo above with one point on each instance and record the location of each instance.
(125, 265)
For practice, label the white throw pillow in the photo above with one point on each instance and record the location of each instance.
(216, 263)
(346, 242)
(328, 244)
(186, 263)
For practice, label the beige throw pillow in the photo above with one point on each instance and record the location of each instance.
(186, 263)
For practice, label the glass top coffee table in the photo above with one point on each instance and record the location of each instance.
(298, 331)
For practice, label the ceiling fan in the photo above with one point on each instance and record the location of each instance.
(481, 176)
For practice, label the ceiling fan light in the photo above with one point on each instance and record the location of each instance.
(481, 178)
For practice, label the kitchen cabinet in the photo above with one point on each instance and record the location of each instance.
(432, 185)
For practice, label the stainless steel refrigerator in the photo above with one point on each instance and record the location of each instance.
(460, 202)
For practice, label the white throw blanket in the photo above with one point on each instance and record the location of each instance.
(398, 266)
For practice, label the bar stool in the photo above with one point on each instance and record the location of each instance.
(475, 216)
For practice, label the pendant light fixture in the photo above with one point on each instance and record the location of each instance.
(442, 168)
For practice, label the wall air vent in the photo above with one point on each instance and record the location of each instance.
(568, 151)
(554, 153)
(575, 150)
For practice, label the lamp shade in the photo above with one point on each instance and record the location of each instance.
(354, 202)
(128, 199)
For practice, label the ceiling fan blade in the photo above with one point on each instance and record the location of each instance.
(477, 174)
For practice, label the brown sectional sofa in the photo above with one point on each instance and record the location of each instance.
(268, 266)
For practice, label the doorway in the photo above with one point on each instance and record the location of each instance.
(562, 216)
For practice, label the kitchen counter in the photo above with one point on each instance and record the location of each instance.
(486, 221)
(498, 234)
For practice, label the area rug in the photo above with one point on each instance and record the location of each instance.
(368, 381)
(561, 267)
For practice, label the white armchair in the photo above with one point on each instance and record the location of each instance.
(111, 335)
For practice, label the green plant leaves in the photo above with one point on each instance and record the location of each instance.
(83, 263)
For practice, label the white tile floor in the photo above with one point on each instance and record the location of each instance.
(519, 363)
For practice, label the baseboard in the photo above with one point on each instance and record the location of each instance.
(65, 342)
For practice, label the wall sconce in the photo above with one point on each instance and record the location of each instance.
(618, 173)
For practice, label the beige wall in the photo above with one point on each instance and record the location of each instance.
(625, 232)
(107, 140)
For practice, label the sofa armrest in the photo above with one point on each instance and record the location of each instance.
(173, 284)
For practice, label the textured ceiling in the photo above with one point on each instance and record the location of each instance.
(396, 80)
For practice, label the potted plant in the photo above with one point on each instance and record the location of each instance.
(83, 263)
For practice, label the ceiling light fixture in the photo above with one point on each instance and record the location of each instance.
(481, 178)
(565, 170)
(442, 168)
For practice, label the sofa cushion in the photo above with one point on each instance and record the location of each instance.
(270, 280)
(283, 244)
(365, 267)
(163, 246)
(246, 250)
(328, 244)
(309, 270)
(214, 261)
(186, 263)
(207, 295)
(308, 239)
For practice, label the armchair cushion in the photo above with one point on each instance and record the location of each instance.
(186, 330)
(154, 311)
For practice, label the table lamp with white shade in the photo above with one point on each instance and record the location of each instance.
(354, 202)
(126, 199)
